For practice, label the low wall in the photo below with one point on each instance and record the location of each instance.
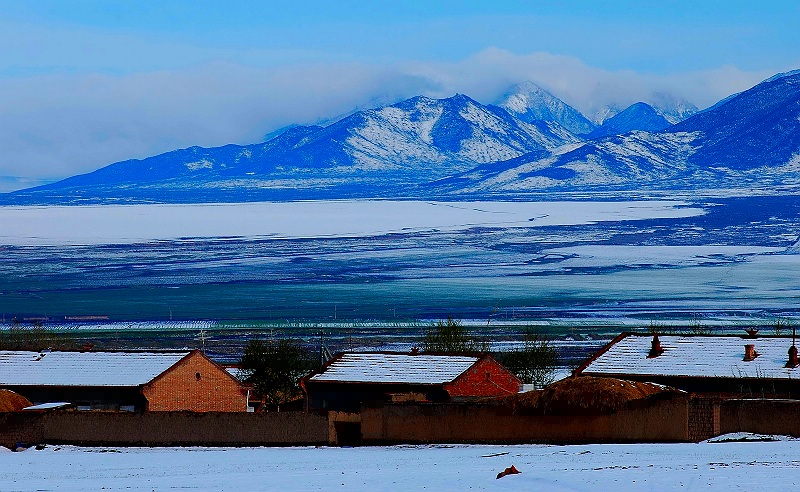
(658, 421)
(171, 428)
(780, 417)
(677, 419)
(20, 428)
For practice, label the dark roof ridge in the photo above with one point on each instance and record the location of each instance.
(112, 351)
(395, 352)
(709, 335)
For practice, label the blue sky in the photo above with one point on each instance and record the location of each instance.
(87, 83)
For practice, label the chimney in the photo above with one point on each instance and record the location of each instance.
(793, 362)
(752, 332)
(655, 348)
(750, 352)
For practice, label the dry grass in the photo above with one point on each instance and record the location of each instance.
(585, 395)
(12, 402)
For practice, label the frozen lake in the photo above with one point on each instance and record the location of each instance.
(743, 466)
(123, 224)
(630, 261)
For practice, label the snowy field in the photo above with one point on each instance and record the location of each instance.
(119, 224)
(745, 466)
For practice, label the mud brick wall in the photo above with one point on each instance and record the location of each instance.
(20, 429)
(196, 384)
(704, 419)
(184, 428)
(760, 416)
(659, 421)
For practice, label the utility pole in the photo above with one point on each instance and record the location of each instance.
(202, 335)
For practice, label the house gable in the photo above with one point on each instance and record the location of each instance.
(486, 377)
(197, 384)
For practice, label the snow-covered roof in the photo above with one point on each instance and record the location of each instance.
(48, 406)
(368, 367)
(19, 368)
(697, 356)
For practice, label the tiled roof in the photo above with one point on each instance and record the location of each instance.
(368, 367)
(18, 368)
(698, 356)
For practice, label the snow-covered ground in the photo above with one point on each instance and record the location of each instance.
(746, 466)
(122, 224)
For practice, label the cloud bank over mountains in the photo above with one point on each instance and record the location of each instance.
(61, 124)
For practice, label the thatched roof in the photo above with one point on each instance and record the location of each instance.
(586, 395)
(12, 402)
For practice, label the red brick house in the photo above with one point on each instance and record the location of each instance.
(130, 380)
(351, 379)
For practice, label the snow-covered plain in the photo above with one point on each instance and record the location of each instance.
(705, 466)
(122, 224)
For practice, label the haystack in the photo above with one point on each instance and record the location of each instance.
(586, 395)
(12, 402)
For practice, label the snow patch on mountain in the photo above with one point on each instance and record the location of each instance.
(636, 157)
(201, 164)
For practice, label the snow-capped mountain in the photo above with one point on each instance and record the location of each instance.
(673, 109)
(759, 129)
(599, 114)
(424, 147)
(638, 116)
(529, 102)
(385, 150)
(752, 139)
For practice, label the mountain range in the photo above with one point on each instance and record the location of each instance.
(529, 141)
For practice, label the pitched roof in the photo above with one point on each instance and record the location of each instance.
(695, 356)
(21, 368)
(381, 367)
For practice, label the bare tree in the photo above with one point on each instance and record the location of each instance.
(535, 362)
(450, 336)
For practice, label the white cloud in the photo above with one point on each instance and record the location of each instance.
(59, 125)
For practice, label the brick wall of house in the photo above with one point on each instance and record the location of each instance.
(704, 419)
(198, 385)
(486, 378)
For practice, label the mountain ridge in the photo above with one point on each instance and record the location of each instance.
(456, 147)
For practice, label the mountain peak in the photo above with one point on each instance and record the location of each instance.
(638, 116)
(531, 103)
(459, 98)
(673, 109)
